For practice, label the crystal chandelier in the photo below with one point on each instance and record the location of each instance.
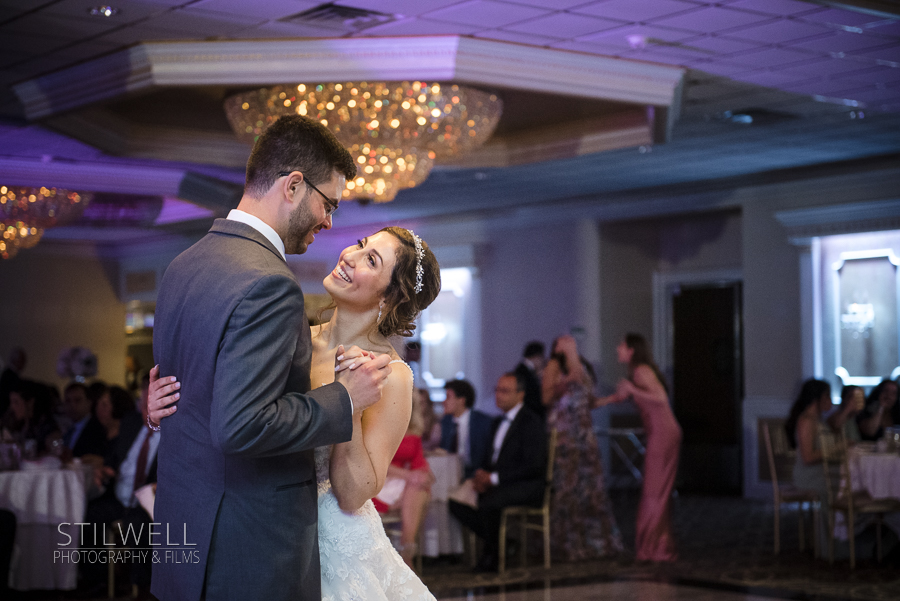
(25, 213)
(394, 130)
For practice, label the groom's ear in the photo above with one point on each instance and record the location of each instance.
(289, 186)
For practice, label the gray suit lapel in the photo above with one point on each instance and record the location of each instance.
(230, 227)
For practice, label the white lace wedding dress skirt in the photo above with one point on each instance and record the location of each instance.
(357, 558)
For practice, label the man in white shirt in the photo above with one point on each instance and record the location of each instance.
(464, 430)
(513, 474)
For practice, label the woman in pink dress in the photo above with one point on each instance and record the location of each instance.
(645, 385)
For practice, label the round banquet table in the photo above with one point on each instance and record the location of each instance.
(876, 473)
(42, 500)
(441, 533)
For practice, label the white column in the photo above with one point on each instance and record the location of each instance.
(587, 318)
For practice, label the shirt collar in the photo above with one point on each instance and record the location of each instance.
(512, 413)
(260, 226)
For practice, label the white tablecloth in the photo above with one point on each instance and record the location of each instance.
(41, 501)
(441, 532)
(876, 473)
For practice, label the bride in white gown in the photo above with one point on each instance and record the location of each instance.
(379, 287)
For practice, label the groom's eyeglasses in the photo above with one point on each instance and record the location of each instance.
(330, 205)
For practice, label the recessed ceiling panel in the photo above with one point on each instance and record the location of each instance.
(712, 19)
(485, 13)
(636, 10)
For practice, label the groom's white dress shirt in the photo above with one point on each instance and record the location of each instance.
(260, 226)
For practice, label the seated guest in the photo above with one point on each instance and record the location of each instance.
(513, 473)
(882, 410)
(464, 430)
(431, 426)
(408, 484)
(12, 374)
(113, 405)
(29, 415)
(129, 465)
(86, 436)
(843, 419)
(803, 428)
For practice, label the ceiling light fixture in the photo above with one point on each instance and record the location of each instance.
(25, 213)
(104, 11)
(394, 130)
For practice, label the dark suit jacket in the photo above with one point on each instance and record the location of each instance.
(480, 437)
(522, 464)
(532, 390)
(92, 440)
(236, 468)
(129, 428)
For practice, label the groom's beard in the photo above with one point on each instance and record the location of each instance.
(300, 224)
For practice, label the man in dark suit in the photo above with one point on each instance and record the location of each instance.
(86, 436)
(464, 430)
(515, 470)
(529, 371)
(236, 468)
(129, 465)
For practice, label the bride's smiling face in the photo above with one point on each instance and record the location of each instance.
(363, 271)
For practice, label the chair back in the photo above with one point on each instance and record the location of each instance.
(551, 457)
(770, 454)
(834, 453)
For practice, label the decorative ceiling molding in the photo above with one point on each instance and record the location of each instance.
(561, 141)
(263, 62)
(113, 177)
(802, 224)
(120, 137)
(123, 178)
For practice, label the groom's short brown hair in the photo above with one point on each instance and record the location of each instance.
(296, 143)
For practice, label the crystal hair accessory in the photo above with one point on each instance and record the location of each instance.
(420, 253)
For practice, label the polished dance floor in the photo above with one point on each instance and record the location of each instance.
(725, 547)
(614, 591)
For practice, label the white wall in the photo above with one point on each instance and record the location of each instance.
(50, 302)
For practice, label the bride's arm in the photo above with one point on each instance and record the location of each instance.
(358, 467)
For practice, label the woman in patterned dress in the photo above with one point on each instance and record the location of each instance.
(584, 526)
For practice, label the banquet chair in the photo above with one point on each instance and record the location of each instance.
(393, 527)
(112, 539)
(784, 494)
(525, 513)
(842, 498)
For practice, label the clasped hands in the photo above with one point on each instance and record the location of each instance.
(481, 481)
(363, 374)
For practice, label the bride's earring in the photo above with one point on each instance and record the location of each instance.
(380, 308)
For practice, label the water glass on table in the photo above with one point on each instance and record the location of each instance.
(10, 456)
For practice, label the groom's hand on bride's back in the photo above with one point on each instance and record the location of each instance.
(362, 374)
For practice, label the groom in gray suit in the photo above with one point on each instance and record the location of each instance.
(236, 499)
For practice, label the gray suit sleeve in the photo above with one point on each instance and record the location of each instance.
(252, 414)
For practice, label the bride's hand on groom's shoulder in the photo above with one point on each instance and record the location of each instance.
(363, 375)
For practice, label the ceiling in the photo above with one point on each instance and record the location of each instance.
(820, 81)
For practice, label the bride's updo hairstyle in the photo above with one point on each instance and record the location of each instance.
(402, 304)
